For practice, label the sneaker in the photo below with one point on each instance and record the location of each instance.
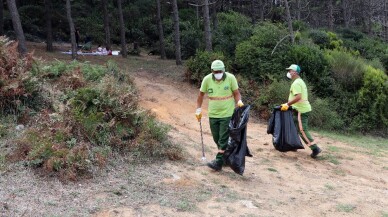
(214, 165)
(315, 152)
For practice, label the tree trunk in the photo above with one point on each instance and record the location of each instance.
(106, 23)
(1, 17)
(262, 8)
(206, 20)
(122, 30)
(48, 7)
(17, 26)
(385, 21)
(289, 21)
(176, 33)
(345, 12)
(253, 11)
(331, 15)
(160, 29)
(214, 16)
(298, 9)
(72, 30)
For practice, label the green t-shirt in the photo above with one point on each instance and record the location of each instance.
(221, 100)
(299, 87)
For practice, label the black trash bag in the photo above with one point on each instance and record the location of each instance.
(237, 149)
(285, 135)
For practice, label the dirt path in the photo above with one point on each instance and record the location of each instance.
(345, 181)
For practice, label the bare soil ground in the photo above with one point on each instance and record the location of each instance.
(345, 180)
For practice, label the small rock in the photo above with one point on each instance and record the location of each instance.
(19, 127)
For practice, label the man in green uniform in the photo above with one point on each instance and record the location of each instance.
(223, 93)
(298, 98)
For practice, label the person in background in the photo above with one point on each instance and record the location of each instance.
(223, 93)
(298, 98)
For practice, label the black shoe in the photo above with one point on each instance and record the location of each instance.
(214, 165)
(315, 153)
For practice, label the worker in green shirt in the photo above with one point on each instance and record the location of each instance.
(222, 90)
(298, 98)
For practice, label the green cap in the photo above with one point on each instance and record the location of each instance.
(294, 67)
(218, 65)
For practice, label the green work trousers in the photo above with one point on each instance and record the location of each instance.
(220, 131)
(304, 132)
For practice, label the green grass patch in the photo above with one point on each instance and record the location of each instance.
(374, 145)
(331, 158)
(186, 205)
(386, 168)
(339, 172)
(272, 169)
(345, 207)
(333, 148)
(329, 187)
(385, 214)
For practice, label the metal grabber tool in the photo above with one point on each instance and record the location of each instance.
(203, 147)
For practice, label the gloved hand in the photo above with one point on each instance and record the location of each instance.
(198, 114)
(284, 107)
(240, 103)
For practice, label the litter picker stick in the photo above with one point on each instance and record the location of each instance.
(203, 147)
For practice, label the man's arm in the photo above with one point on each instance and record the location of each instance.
(296, 99)
(200, 99)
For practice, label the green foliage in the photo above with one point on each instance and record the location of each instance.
(351, 34)
(96, 120)
(314, 67)
(320, 38)
(232, 29)
(346, 69)
(273, 94)
(18, 86)
(199, 65)
(257, 57)
(373, 114)
(324, 116)
(370, 48)
(326, 40)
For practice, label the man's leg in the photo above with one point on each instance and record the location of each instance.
(220, 133)
(305, 133)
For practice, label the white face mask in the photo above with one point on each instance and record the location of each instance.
(218, 76)
(289, 75)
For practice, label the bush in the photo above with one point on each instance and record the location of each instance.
(232, 29)
(272, 95)
(373, 114)
(346, 69)
(96, 120)
(323, 116)
(320, 38)
(314, 66)
(199, 65)
(257, 57)
(18, 87)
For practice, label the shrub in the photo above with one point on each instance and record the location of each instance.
(320, 38)
(199, 65)
(324, 116)
(346, 69)
(373, 114)
(18, 86)
(314, 66)
(257, 57)
(96, 120)
(272, 95)
(232, 29)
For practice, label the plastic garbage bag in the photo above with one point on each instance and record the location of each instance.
(282, 127)
(237, 149)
